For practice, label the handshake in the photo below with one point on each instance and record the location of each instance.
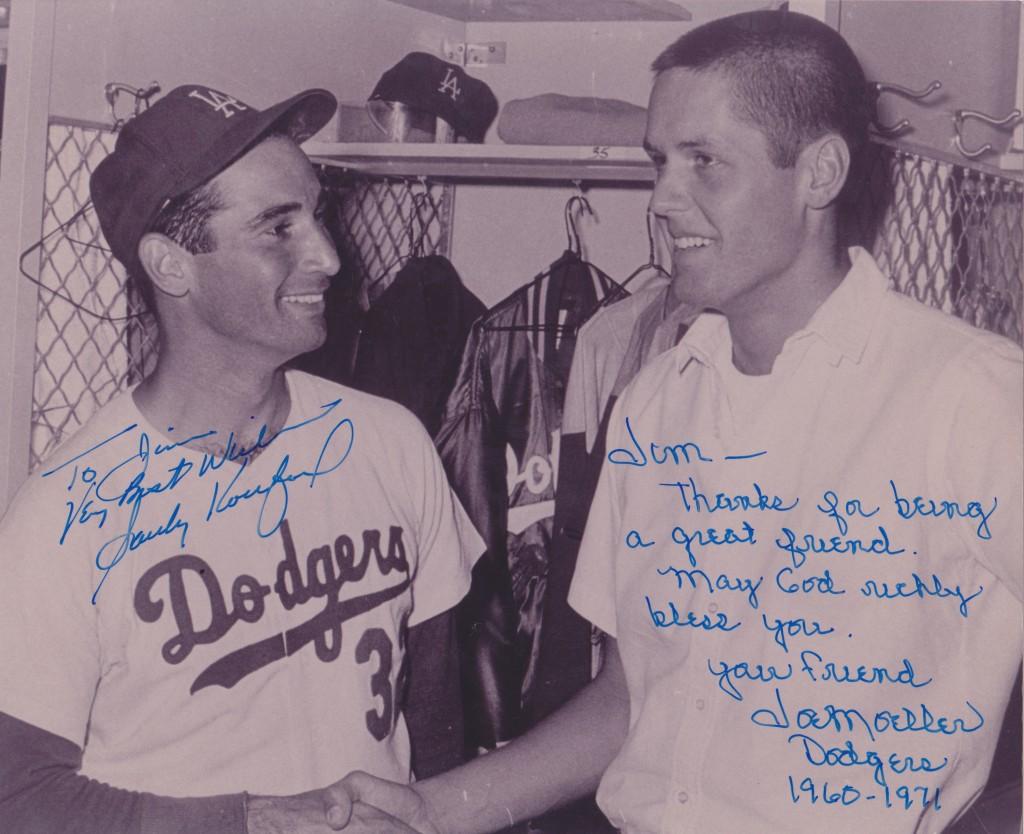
(357, 804)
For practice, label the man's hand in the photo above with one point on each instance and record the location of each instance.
(304, 813)
(358, 804)
(363, 803)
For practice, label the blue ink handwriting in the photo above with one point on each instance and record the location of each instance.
(695, 501)
(720, 583)
(852, 507)
(817, 669)
(635, 540)
(847, 756)
(918, 587)
(690, 620)
(729, 673)
(926, 507)
(136, 476)
(712, 538)
(823, 584)
(660, 453)
(881, 545)
(841, 719)
(798, 627)
(276, 491)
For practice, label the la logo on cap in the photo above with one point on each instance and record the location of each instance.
(219, 102)
(450, 85)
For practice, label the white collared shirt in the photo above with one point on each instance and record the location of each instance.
(735, 725)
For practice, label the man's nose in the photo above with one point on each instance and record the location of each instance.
(671, 194)
(320, 254)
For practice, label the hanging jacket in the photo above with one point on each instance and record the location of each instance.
(408, 345)
(499, 441)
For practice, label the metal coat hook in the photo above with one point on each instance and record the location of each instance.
(898, 89)
(1009, 120)
(141, 96)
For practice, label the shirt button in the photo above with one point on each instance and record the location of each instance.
(700, 703)
(683, 796)
(713, 608)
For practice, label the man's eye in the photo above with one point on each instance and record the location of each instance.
(703, 160)
(280, 230)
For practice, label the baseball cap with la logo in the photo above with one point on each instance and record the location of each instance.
(186, 138)
(428, 84)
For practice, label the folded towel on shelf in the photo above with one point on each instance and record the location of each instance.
(555, 119)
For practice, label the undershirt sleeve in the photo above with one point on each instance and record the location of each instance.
(50, 654)
(41, 792)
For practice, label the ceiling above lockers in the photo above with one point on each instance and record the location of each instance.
(257, 50)
(529, 11)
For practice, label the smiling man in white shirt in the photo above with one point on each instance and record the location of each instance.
(805, 543)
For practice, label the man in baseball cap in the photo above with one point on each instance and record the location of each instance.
(190, 135)
(222, 599)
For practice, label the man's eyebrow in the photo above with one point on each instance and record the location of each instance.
(685, 145)
(273, 213)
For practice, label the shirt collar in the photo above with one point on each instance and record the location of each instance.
(846, 318)
(843, 321)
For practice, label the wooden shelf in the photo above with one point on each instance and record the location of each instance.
(488, 162)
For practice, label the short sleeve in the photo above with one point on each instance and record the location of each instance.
(50, 659)
(983, 461)
(592, 593)
(448, 543)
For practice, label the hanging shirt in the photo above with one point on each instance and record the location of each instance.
(613, 346)
(499, 442)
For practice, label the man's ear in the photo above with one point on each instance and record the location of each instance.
(166, 263)
(826, 165)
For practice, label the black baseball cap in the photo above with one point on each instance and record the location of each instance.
(425, 82)
(186, 138)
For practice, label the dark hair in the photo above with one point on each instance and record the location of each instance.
(794, 77)
(185, 220)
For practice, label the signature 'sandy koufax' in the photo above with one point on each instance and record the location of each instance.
(151, 467)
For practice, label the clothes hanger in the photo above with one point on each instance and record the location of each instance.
(63, 229)
(651, 264)
(577, 203)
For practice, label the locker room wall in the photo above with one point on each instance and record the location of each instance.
(259, 50)
(970, 47)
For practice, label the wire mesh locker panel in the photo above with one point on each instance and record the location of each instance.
(950, 235)
(93, 337)
(381, 222)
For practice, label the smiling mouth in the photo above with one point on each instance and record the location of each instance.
(691, 242)
(310, 298)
